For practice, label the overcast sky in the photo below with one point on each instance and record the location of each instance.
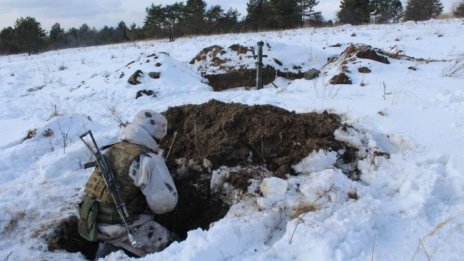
(97, 13)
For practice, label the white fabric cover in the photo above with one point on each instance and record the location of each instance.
(151, 173)
(149, 235)
(135, 134)
(153, 178)
(154, 123)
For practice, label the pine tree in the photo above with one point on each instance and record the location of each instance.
(258, 14)
(154, 21)
(230, 21)
(386, 10)
(29, 35)
(86, 35)
(121, 32)
(421, 10)
(195, 11)
(306, 10)
(214, 16)
(57, 36)
(284, 14)
(72, 37)
(459, 10)
(106, 35)
(7, 44)
(174, 15)
(354, 12)
(135, 33)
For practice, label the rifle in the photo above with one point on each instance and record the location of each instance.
(111, 182)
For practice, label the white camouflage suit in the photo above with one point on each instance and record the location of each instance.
(152, 176)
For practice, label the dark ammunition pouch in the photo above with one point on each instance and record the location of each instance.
(88, 214)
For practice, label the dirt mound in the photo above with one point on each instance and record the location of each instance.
(233, 134)
(207, 136)
(347, 62)
(363, 52)
(235, 66)
(212, 51)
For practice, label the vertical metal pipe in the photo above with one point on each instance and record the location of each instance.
(259, 66)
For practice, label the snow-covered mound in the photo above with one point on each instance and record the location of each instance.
(282, 57)
(156, 72)
(235, 66)
(408, 127)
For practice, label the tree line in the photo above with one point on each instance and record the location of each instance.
(382, 11)
(194, 18)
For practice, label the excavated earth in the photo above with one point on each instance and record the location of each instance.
(235, 66)
(231, 134)
(202, 138)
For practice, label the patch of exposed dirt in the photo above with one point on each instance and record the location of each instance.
(364, 69)
(235, 66)
(133, 79)
(145, 92)
(368, 53)
(30, 134)
(291, 75)
(233, 134)
(336, 45)
(351, 56)
(239, 49)
(241, 178)
(66, 237)
(239, 78)
(212, 51)
(154, 75)
(341, 78)
(361, 51)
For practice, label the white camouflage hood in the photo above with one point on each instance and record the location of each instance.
(147, 126)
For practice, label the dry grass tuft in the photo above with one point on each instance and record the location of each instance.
(456, 69)
(304, 208)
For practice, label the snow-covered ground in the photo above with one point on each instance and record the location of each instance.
(409, 206)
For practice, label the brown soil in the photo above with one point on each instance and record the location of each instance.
(239, 49)
(227, 134)
(133, 79)
(145, 92)
(241, 179)
(370, 54)
(66, 237)
(341, 78)
(364, 69)
(217, 134)
(239, 78)
(291, 75)
(360, 51)
(212, 50)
